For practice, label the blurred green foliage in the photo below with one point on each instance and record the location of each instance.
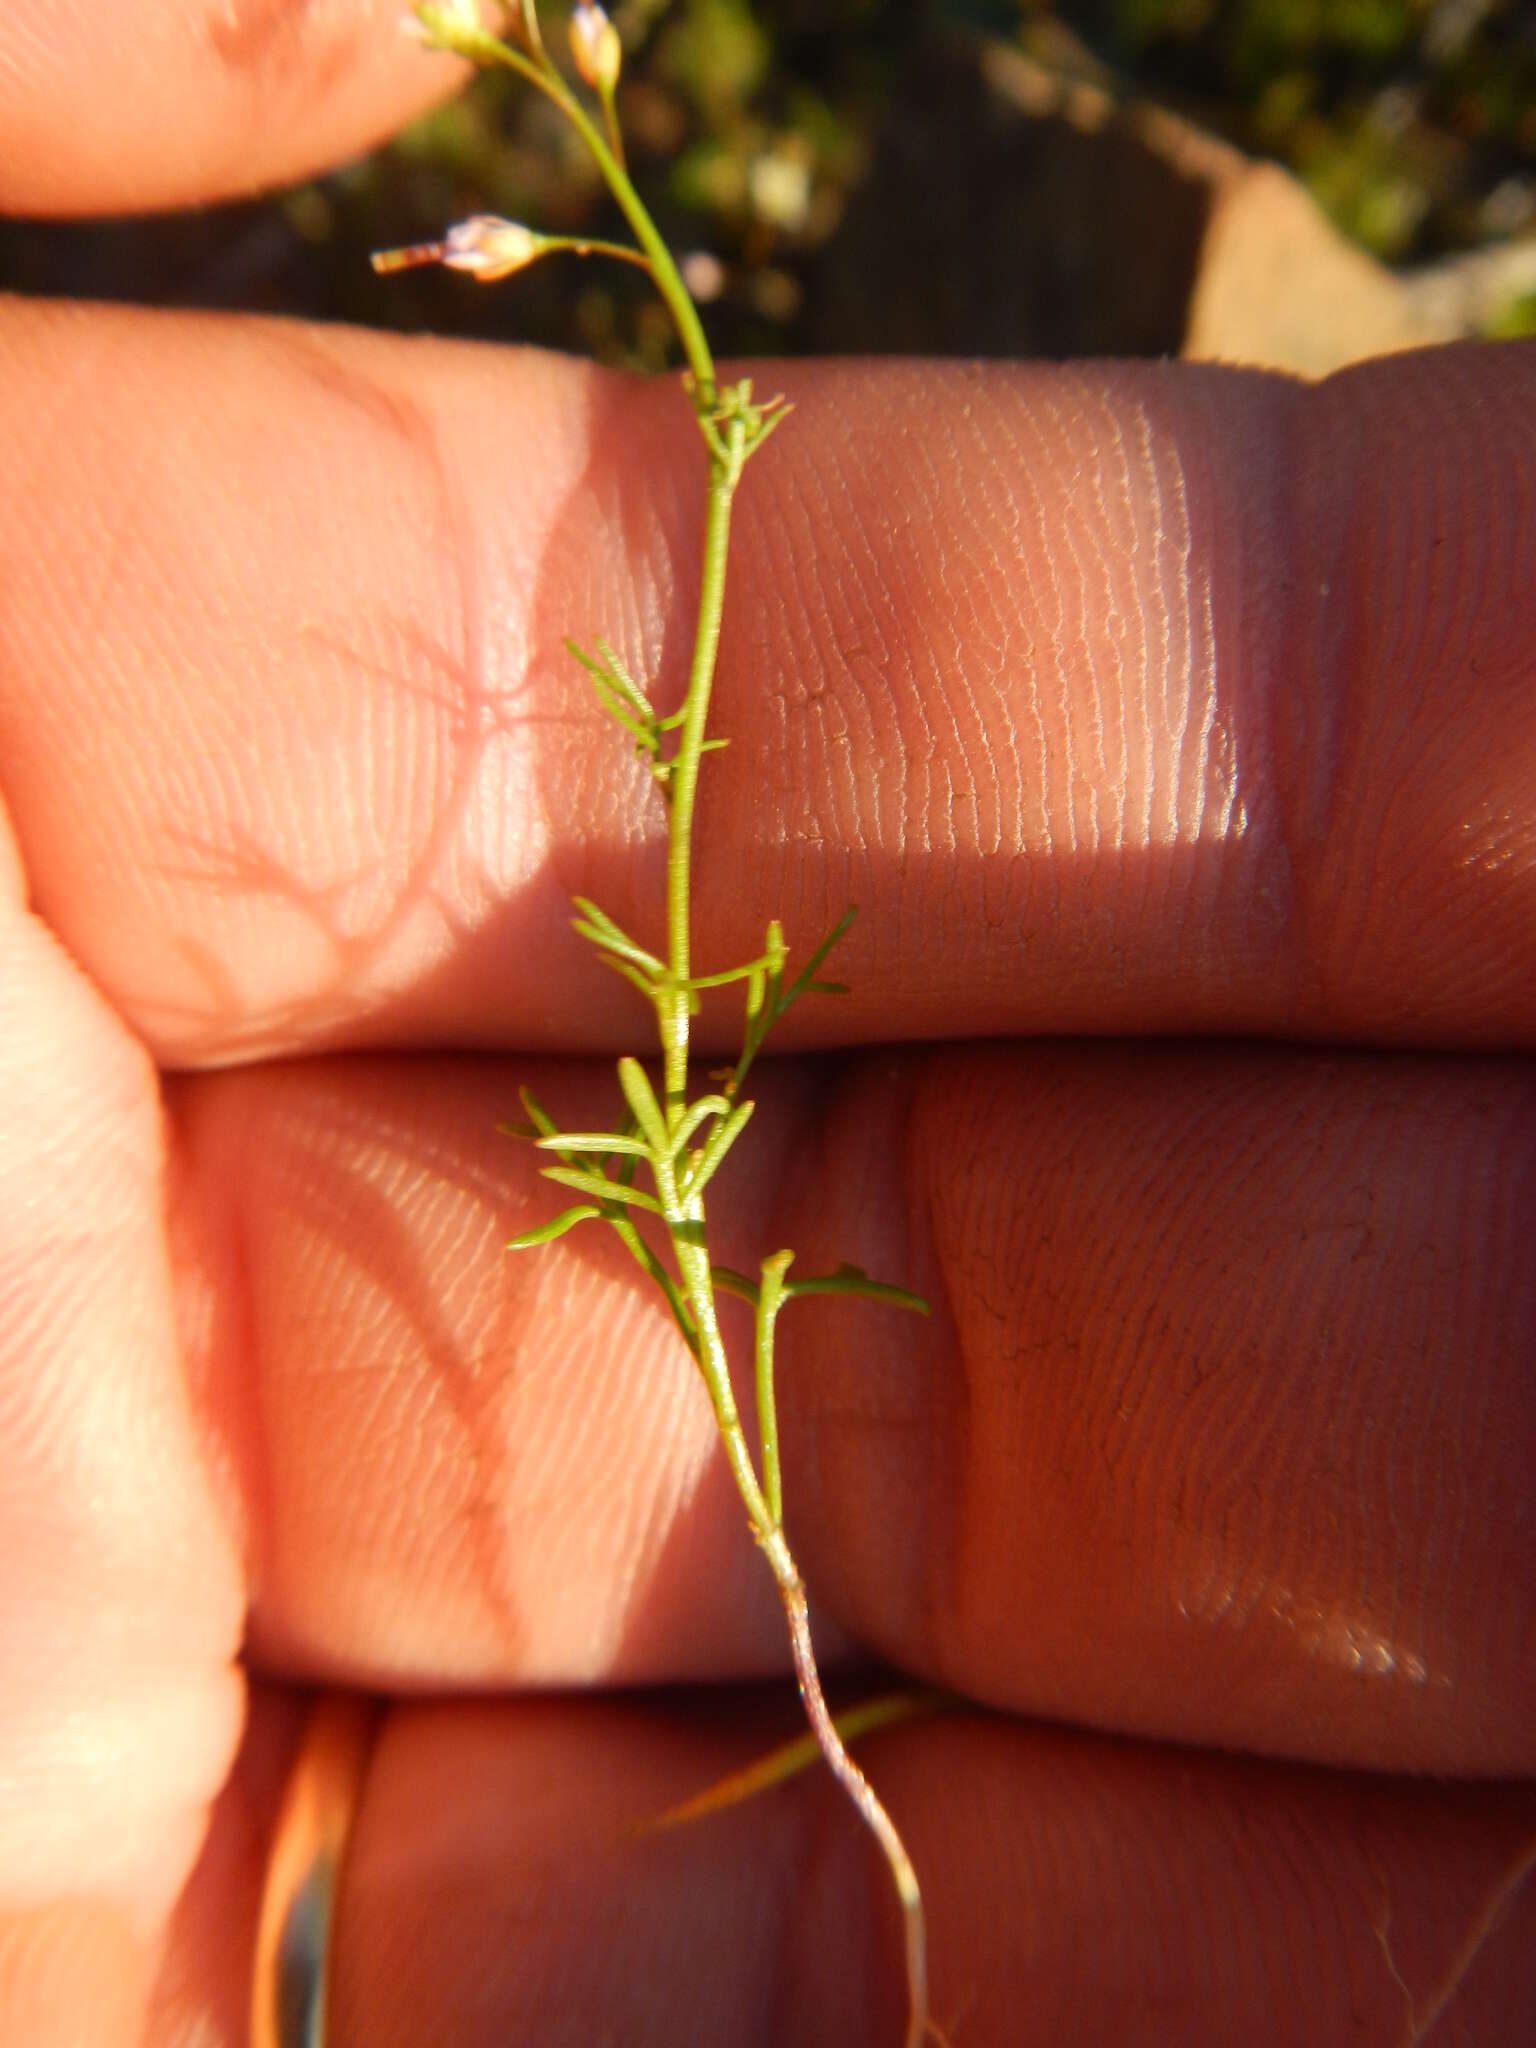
(754, 126)
(1413, 122)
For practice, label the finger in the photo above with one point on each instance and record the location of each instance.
(1220, 1429)
(167, 103)
(1076, 1889)
(120, 1602)
(1125, 698)
(203, 1967)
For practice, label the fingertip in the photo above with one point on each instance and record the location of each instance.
(106, 108)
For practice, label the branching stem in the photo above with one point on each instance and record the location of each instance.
(600, 1166)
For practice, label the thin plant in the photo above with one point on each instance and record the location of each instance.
(679, 1139)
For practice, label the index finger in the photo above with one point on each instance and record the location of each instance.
(1119, 698)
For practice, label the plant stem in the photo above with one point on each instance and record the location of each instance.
(673, 1014)
(669, 283)
(854, 1783)
(674, 1017)
(770, 1299)
(731, 427)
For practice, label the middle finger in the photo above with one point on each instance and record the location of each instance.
(1219, 1429)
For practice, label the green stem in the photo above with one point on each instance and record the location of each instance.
(611, 126)
(770, 1299)
(481, 47)
(673, 1011)
(669, 283)
(674, 293)
(584, 245)
(673, 1004)
(731, 427)
(684, 1220)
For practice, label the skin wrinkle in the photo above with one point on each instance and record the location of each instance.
(997, 790)
(1207, 893)
(862, 598)
(1402, 630)
(959, 742)
(1245, 1428)
(1062, 778)
(1160, 666)
(1382, 832)
(1030, 786)
(1139, 751)
(356, 941)
(1113, 493)
(362, 1167)
(604, 836)
(1199, 702)
(948, 1425)
(1154, 678)
(1361, 1624)
(783, 523)
(1102, 585)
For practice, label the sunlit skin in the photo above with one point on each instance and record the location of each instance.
(1174, 731)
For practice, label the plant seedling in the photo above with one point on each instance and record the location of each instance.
(678, 1138)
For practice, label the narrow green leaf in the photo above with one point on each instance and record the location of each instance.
(727, 975)
(801, 1754)
(807, 975)
(705, 1106)
(721, 1139)
(608, 936)
(597, 1187)
(592, 1141)
(606, 669)
(538, 1115)
(546, 1233)
(625, 680)
(647, 1260)
(644, 1107)
(631, 974)
(618, 710)
(854, 1280)
(771, 1298)
(729, 1281)
(605, 925)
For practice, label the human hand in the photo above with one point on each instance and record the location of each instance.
(1166, 726)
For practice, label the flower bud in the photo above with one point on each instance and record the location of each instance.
(438, 23)
(595, 47)
(489, 247)
(484, 245)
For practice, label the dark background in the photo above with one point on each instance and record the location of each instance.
(949, 177)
